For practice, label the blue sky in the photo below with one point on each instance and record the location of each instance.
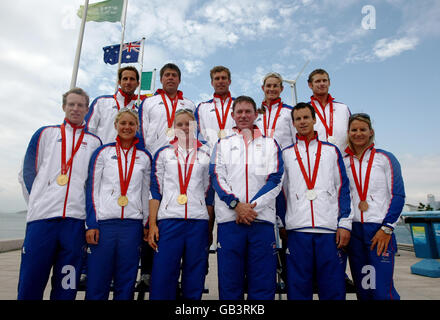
(390, 71)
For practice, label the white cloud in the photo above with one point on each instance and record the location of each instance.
(387, 48)
(193, 66)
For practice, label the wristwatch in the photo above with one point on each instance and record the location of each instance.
(233, 204)
(387, 230)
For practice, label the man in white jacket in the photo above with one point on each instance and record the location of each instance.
(332, 116)
(318, 217)
(246, 172)
(157, 113)
(213, 117)
(103, 110)
(53, 179)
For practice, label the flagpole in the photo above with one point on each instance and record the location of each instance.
(140, 77)
(79, 46)
(154, 81)
(121, 47)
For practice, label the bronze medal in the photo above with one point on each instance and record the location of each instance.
(62, 179)
(363, 206)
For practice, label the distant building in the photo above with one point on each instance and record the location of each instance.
(435, 205)
(431, 201)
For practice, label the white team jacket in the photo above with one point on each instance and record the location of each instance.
(285, 132)
(207, 123)
(103, 186)
(341, 115)
(165, 185)
(246, 171)
(41, 167)
(386, 192)
(101, 116)
(153, 117)
(331, 208)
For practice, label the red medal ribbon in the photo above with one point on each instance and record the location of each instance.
(358, 181)
(222, 122)
(170, 118)
(183, 183)
(310, 183)
(125, 101)
(267, 122)
(323, 118)
(124, 183)
(65, 166)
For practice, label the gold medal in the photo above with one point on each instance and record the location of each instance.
(169, 132)
(62, 179)
(122, 201)
(182, 199)
(363, 206)
(222, 134)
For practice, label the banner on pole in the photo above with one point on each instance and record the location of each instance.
(147, 81)
(110, 10)
(130, 53)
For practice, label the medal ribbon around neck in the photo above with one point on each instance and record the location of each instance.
(328, 128)
(222, 122)
(170, 118)
(124, 183)
(66, 166)
(310, 183)
(184, 184)
(119, 106)
(266, 122)
(358, 181)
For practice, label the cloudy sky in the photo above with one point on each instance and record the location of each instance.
(382, 57)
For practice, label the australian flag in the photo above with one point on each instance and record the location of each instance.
(130, 53)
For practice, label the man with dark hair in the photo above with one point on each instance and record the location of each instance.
(157, 112)
(332, 116)
(246, 171)
(53, 179)
(213, 117)
(318, 215)
(101, 116)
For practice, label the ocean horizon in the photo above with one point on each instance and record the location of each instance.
(13, 226)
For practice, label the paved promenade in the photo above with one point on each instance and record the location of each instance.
(409, 286)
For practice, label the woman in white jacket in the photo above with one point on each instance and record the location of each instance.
(378, 195)
(181, 213)
(117, 208)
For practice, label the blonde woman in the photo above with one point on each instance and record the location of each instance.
(181, 213)
(378, 195)
(117, 208)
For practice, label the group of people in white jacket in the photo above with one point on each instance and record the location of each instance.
(116, 174)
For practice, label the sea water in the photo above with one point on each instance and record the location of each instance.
(12, 225)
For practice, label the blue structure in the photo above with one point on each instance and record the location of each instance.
(425, 233)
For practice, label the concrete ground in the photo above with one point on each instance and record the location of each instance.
(409, 286)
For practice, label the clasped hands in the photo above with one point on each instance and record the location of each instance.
(245, 212)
